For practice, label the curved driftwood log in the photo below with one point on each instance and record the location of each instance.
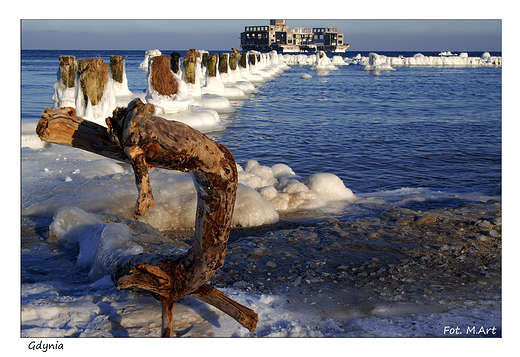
(134, 135)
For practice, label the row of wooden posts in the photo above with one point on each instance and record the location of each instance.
(93, 71)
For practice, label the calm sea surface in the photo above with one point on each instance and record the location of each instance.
(438, 128)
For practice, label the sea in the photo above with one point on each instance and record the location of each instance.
(419, 137)
(439, 128)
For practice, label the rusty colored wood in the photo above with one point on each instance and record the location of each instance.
(162, 79)
(63, 127)
(134, 135)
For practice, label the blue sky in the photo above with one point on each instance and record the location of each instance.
(211, 34)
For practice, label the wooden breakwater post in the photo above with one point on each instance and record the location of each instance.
(175, 62)
(233, 58)
(223, 63)
(117, 68)
(212, 65)
(205, 59)
(252, 59)
(243, 60)
(162, 77)
(189, 64)
(93, 78)
(68, 68)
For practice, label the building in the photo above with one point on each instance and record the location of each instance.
(277, 36)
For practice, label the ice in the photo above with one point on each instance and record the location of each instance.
(148, 54)
(329, 186)
(339, 61)
(251, 209)
(168, 104)
(323, 63)
(96, 113)
(377, 63)
(100, 245)
(282, 187)
(115, 94)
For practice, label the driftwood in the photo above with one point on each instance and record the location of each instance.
(134, 135)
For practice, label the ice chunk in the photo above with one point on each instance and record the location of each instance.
(251, 209)
(329, 186)
(377, 63)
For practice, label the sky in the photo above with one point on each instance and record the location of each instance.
(219, 34)
(373, 25)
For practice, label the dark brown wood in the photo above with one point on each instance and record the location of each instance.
(134, 135)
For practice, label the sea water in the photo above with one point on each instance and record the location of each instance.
(414, 127)
(413, 136)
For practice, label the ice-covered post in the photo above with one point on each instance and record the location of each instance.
(223, 63)
(252, 59)
(93, 78)
(233, 60)
(212, 65)
(243, 60)
(189, 64)
(162, 79)
(117, 68)
(175, 62)
(68, 69)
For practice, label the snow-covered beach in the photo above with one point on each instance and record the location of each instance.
(311, 256)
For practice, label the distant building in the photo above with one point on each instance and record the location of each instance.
(277, 36)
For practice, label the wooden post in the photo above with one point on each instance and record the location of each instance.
(189, 63)
(162, 77)
(134, 135)
(205, 59)
(243, 60)
(117, 68)
(212, 65)
(252, 59)
(175, 62)
(233, 60)
(68, 70)
(223, 63)
(93, 78)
